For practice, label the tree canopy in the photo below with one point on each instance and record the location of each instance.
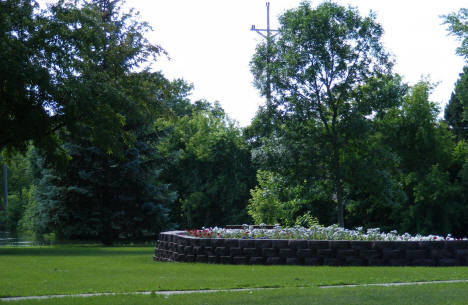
(69, 66)
(458, 26)
(321, 65)
(102, 147)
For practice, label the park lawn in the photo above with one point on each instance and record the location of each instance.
(87, 269)
(429, 294)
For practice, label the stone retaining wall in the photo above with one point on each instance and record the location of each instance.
(175, 246)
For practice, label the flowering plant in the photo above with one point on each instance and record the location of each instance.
(315, 232)
(204, 233)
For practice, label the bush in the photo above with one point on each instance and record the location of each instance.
(10, 216)
(29, 220)
(273, 201)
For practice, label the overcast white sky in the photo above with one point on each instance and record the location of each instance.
(210, 43)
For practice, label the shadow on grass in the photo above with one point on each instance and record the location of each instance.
(77, 250)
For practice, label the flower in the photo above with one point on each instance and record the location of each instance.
(317, 232)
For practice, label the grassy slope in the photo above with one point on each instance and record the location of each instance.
(81, 269)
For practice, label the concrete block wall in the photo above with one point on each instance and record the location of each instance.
(175, 246)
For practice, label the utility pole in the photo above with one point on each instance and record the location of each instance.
(5, 186)
(268, 38)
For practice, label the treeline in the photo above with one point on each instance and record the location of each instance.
(101, 147)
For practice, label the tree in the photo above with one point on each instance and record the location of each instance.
(319, 66)
(102, 197)
(25, 81)
(19, 174)
(458, 26)
(430, 167)
(51, 64)
(109, 186)
(209, 166)
(374, 189)
(19, 190)
(456, 111)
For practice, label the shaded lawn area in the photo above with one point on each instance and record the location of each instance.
(86, 269)
(430, 294)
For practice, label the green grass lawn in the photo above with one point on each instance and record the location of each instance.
(415, 295)
(85, 269)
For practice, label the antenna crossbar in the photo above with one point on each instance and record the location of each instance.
(267, 30)
(268, 37)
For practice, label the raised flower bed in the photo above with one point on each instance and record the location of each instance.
(315, 246)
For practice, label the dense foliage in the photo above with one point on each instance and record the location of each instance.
(458, 26)
(101, 147)
(208, 165)
(456, 111)
(27, 91)
(341, 129)
(321, 65)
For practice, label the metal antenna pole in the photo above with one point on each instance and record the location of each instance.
(268, 20)
(5, 185)
(268, 38)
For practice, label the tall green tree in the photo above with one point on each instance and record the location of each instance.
(109, 188)
(209, 166)
(64, 68)
(430, 166)
(26, 85)
(103, 197)
(318, 67)
(374, 188)
(114, 47)
(456, 111)
(19, 191)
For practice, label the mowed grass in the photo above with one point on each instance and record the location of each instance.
(430, 294)
(87, 269)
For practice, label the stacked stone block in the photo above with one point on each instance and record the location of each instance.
(175, 246)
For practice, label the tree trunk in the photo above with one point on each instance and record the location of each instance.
(5, 186)
(339, 199)
(338, 183)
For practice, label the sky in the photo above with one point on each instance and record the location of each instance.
(209, 44)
